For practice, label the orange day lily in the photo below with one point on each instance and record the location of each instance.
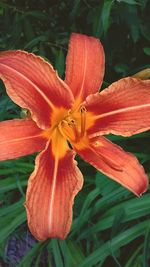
(74, 112)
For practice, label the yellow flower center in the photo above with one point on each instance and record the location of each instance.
(69, 126)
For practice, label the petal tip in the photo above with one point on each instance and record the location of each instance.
(143, 188)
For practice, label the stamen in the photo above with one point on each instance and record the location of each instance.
(83, 120)
(73, 129)
(72, 123)
(61, 126)
(69, 130)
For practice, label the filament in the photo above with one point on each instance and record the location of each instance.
(83, 120)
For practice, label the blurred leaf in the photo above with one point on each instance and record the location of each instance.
(28, 29)
(143, 3)
(121, 68)
(35, 41)
(95, 17)
(106, 9)
(10, 183)
(146, 50)
(9, 228)
(38, 15)
(145, 31)
(133, 23)
(1, 11)
(75, 8)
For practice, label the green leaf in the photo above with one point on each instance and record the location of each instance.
(76, 252)
(30, 256)
(87, 202)
(28, 29)
(133, 209)
(35, 41)
(121, 68)
(133, 258)
(71, 252)
(60, 63)
(38, 15)
(57, 253)
(12, 208)
(1, 11)
(118, 219)
(146, 248)
(106, 14)
(120, 240)
(147, 50)
(130, 2)
(76, 4)
(97, 21)
(11, 183)
(8, 229)
(145, 31)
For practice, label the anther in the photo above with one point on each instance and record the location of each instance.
(71, 122)
(83, 109)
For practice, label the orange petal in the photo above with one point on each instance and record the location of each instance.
(119, 165)
(50, 194)
(33, 84)
(19, 138)
(84, 66)
(122, 109)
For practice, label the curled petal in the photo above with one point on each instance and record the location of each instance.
(85, 65)
(119, 165)
(122, 109)
(50, 194)
(143, 74)
(33, 84)
(19, 138)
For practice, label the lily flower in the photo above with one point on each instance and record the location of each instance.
(69, 117)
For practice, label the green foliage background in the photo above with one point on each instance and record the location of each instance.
(111, 227)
